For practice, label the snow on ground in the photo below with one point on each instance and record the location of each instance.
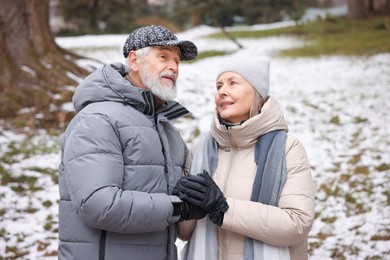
(338, 106)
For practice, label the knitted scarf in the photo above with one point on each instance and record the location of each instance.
(270, 177)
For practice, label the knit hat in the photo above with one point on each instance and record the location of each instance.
(155, 35)
(255, 71)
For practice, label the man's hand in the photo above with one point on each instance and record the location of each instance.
(186, 210)
(201, 191)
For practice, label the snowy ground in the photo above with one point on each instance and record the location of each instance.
(338, 107)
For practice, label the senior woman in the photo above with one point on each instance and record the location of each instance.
(250, 176)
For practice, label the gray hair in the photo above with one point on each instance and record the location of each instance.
(256, 105)
(140, 52)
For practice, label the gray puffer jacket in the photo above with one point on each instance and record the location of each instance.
(120, 160)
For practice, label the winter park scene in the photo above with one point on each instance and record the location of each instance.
(337, 104)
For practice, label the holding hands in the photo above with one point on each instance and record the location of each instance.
(201, 191)
(188, 211)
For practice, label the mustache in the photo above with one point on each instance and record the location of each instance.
(169, 74)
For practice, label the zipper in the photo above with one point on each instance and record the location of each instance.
(157, 124)
(102, 244)
(231, 141)
(231, 149)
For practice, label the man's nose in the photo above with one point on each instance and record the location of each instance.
(173, 66)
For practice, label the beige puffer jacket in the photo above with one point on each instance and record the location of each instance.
(285, 225)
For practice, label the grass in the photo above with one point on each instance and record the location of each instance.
(16, 152)
(24, 181)
(206, 54)
(331, 36)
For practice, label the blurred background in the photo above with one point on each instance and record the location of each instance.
(30, 55)
(330, 68)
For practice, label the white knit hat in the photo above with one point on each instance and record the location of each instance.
(255, 71)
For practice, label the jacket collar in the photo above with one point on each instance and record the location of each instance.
(108, 84)
(171, 110)
(246, 134)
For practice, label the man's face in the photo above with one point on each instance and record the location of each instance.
(159, 70)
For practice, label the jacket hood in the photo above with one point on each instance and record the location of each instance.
(108, 84)
(246, 134)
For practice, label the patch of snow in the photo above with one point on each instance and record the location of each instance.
(28, 70)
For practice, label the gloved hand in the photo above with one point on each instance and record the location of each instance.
(203, 192)
(188, 211)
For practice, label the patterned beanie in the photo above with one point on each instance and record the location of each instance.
(255, 71)
(155, 35)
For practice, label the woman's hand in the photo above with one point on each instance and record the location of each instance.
(201, 191)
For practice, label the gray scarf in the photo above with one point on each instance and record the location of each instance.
(270, 177)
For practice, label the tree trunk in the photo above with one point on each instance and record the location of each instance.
(357, 9)
(371, 6)
(34, 69)
(94, 15)
(196, 19)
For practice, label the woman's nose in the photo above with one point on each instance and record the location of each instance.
(222, 91)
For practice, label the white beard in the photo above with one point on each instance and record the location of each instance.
(153, 82)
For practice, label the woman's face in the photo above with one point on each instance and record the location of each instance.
(233, 98)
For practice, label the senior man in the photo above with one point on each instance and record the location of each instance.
(121, 156)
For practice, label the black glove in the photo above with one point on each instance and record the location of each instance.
(203, 192)
(188, 211)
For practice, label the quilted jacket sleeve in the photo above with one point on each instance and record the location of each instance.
(94, 172)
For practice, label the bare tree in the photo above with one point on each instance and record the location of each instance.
(215, 15)
(357, 9)
(215, 10)
(34, 69)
